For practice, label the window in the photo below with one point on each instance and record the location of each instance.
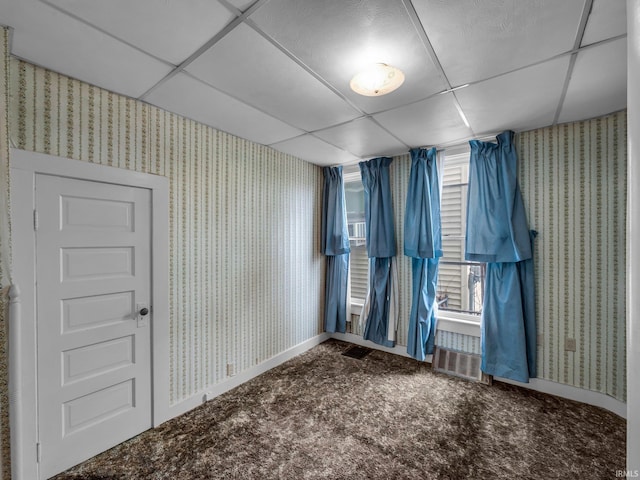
(358, 260)
(460, 283)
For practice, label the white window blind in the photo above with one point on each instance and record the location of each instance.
(460, 283)
(358, 260)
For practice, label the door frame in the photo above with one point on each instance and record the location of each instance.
(22, 339)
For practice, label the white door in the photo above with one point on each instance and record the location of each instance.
(93, 274)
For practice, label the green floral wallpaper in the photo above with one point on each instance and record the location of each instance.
(5, 251)
(573, 180)
(246, 275)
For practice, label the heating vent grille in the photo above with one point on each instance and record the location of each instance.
(459, 364)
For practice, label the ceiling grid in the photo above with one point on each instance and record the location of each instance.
(588, 5)
(277, 72)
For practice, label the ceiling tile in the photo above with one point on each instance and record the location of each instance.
(245, 65)
(338, 38)
(193, 99)
(51, 39)
(598, 84)
(432, 122)
(363, 137)
(169, 30)
(521, 100)
(477, 40)
(314, 150)
(607, 19)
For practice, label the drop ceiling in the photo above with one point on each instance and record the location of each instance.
(277, 72)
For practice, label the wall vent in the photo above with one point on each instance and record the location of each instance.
(459, 364)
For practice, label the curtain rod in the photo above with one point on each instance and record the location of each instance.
(354, 162)
(482, 138)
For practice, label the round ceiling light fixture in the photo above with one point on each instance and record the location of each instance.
(378, 79)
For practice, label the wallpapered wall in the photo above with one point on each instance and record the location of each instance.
(246, 275)
(573, 180)
(5, 250)
(459, 342)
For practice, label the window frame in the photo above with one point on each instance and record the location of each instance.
(463, 317)
(355, 304)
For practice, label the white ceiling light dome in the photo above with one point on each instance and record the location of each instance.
(378, 79)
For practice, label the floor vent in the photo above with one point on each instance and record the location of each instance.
(459, 364)
(356, 352)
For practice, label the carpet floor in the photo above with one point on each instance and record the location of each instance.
(323, 415)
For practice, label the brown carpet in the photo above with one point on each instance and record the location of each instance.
(324, 415)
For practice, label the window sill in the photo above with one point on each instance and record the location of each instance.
(356, 308)
(449, 323)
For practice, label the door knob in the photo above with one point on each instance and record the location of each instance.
(143, 311)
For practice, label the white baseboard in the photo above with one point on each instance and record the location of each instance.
(589, 397)
(597, 399)
(242, 377)
(541, 385)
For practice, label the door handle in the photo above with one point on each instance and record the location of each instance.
(143, 311)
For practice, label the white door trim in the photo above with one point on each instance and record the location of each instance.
(22, 331)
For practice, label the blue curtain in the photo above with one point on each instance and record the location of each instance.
(496, 222)
(335, 245)
(423, 242)
(497, 233)
(381, 248)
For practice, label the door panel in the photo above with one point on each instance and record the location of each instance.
(93, 311)
(97, 407)
(93, 259)
(82, 362)
(96, 263)
(86, 214)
